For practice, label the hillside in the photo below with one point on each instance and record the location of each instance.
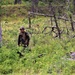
(46, 54)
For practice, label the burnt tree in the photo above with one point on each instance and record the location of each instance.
(74, 5)
(58, 29)
(29, 18)
(35, 5)
(17, 2)
(0, 35)
(0, 28)
(71, 23)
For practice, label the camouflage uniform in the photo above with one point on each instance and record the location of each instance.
(23, 39)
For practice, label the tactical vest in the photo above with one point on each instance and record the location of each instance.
(23, 36)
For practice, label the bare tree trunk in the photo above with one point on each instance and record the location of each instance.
(17, 2)
(59, 34)
(67, 4)
(0, 28)
(54, 15)
(51, 21)
(50, 9)
(29, 22)
(35, 5)
(71, 23)
(74, 5)
(0, 34)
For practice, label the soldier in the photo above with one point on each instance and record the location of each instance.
(23, 38)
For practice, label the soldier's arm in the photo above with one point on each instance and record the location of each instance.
(19, 40)
(28, 39)
(27, 35)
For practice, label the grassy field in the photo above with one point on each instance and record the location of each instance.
(48, 55)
